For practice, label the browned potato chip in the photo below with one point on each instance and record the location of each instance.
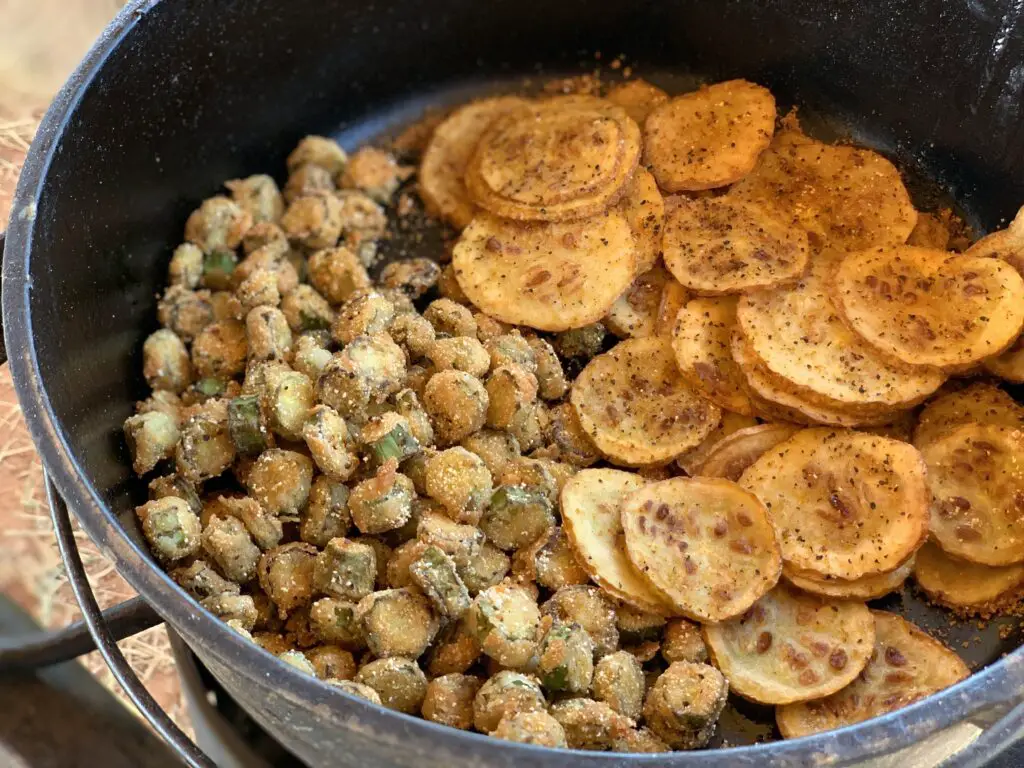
(930, 232)
(644, 209)
(705, 543)
(965, 587)
(721, 245)
(731, 422)
(710, 137)
(1009, 365)
(845, 504)
(673, 298)
(638, 98)
(864, 588)
(700, 340)
(797, 334)
(976, 478)
(1006, 244)
(591, 503)
(547, 276)
(637, 312)
(452, 145)
(847, 198)
(979, 403)
(731, 456)
(567, 157)
(925, 307)
(635, 406)
(791, 646)
(771, 399)
(907, 665)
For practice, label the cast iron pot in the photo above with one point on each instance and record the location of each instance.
(179, 95)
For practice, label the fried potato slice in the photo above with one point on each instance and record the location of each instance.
(635, 406)
(771, 399)
(791, 646)
(847, 198)
(705, 543)
(731, 422)
(797, 334)
(637, 97)
(976, 478)
(673, 298)
(930, 232)
(637, 312)
(644, 209)
(443, 168)
(968, 588)
(906, 665)
(925, 307)
(731, 456)
(845, 504)
(979, 403)
(701, 340)
(719, 245)
(567, 157)
(864, 588)
(1009, 365)
(591, 503)
(1005, 244)
(710, 137)
(550, 276)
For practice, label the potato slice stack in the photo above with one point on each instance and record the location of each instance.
(780, 312)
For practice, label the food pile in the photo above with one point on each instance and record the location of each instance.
(649, 438)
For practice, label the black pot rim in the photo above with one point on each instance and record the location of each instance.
(997, 685)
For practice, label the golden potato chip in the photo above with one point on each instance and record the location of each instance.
(710, 137)
(704, 543)
(443, 167)
(731, 456)
(673, 297)
(979, 403)
(567, 157)
(635, 406)
(591, 504)
(637, 312)
(845, 504)
(1006, 244)
(644, 209)
(637, 97)
(965, 587)
(731, 422)
(721, 245)
(847, 198)
(925, 307)
(864, 588)
(907, 665)
(700, 340)
(976, 479)
(791, 646)
(797, 334)
(551, 276)
(771, 399)
(1009, 365)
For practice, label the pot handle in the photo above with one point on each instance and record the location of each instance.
(106, 640)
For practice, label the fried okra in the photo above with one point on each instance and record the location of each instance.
(326, 515)
(332, 662)
(151, 438)
(460, 482)
(565, 661)
(682, 641)
(398, 681)
(286, 575)
(506, 693)
(537, 728)
(620, 683)
(683, 705)
(165, 361)
(449, 700)
(334, 622)
(397, 622)
(457, 405)
(345, 569)
(506, 621)
(589, 724)
(589, 608)
(171, 528)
